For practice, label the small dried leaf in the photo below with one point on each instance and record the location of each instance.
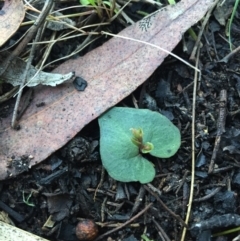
(15, 72)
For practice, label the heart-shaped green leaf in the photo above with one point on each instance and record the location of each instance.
(120, 153)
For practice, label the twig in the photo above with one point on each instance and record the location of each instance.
(154, 189)
(124, 224)
(152, 45)
(138, 200)
(193, 54)
(230, 55)
(100, 183)
(39, 21)
(182, 181)
(26, 100)
(109, 193)
(216, 190)
(165, 207)
(220, 127)
(185, 197)
(103, 206)
(18, 217)
(196, 79)
(85, 43)
(161, 232)
(223, 169)
(113, 225)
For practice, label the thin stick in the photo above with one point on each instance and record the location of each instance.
(165, 207)
(161, 232)
(44, 13)
(220, 127)
(100, 183)
(124, 224)
(193, 149)
(29, 62)
(193, 54)
(152, 45)
(230, 55)
(138, 200)
(201, 199)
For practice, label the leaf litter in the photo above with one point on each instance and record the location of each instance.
(11, 16)
(15, 73)
(112, 71)
(177, 107)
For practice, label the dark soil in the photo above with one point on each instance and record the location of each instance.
(72, 184)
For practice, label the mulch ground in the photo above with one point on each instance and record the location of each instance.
(72, 185)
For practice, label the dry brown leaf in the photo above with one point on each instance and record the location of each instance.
(113, 71)
(11, 16)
